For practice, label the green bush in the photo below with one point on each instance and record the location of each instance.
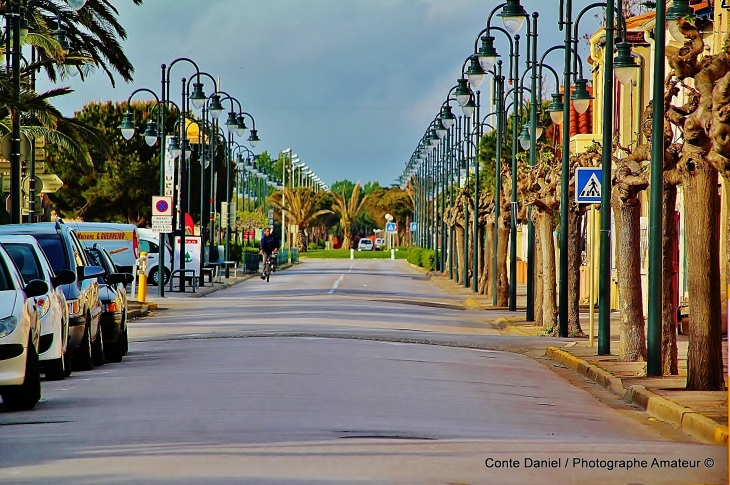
(321, 244)
(312, 246)
(414, 255)
(428, 259)
(251, 250)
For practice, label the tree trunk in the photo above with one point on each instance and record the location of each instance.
(485, 283)
(669, 312)
(459, 249)
(632, 343)
(539, 275)
(502, 275)
(480, 252)
(575, 248)
(549, 285)
(300, 242)
(726, 200)
(704, 356)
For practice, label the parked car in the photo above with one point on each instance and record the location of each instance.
(379, 243)
(53, 310)
(113, 296)
(149, 242)
(121, 240)
(365, 245)
(20, 333)
(64, 251)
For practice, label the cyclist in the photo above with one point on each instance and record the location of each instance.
(269, 247)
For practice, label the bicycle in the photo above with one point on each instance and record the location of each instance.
(268, 267)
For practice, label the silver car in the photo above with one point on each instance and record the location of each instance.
(53, 309)
(20, 331)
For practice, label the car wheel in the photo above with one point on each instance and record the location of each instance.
(97, 349)
(67, 362)
(26, 395)
(82, 356)
(125, 336)
(55, 370)
(154, 276)
(114, 351)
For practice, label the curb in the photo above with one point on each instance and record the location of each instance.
(506, 325)
(684, 418)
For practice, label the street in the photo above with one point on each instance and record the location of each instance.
(338, 372)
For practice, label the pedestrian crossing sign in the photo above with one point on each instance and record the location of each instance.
(588, 185)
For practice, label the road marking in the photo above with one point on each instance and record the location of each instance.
(342, 277)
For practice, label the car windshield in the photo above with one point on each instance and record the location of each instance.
(25, 259)
(53, 247)
(5, 281)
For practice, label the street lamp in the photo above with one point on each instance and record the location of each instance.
(581, 97)
(556, 108)
(624, 65)
(678, 9)
(513, 16)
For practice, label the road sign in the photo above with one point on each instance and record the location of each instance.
(50, 183)
(38, 185)
(5, 146)
(391, 227)
(588, 185)
(162, 224)
(414, 226)
(161, 205)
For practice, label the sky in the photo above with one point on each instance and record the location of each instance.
(349, 85)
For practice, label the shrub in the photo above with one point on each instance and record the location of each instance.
(322, 244)
(251, 250)
(312, 246)
(414, 255)
(428, 259)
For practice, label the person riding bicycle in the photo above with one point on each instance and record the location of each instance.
(269, 246)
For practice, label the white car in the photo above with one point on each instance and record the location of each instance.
(20, 332)
(34, 265)
(149, 242)
(365, 245)
(379, 242)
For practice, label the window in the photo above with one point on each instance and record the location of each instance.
(5, 279)
(53, 247)
(148, 247)
(25, 259)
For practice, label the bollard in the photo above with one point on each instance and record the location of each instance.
(142, 291)
(352, 253)
(392, 254)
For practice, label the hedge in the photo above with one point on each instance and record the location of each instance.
(414, 255)
(428, 259)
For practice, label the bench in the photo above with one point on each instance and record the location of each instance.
(226, 266)
(211, 271)
(188, 274)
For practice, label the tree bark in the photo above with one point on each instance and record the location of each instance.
(485, 285)
(502, 275)
(669, 312)
(459, 249)
(704, 356)
(575, 247)
(539, 275)
(726, 265)
(549, 300)
(632, 343)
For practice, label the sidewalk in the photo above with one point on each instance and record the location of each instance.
(703, 415)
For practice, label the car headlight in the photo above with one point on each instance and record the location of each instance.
(7, 325)
(44, 304)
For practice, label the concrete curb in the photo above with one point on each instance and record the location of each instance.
(686, 419)
(506, 325)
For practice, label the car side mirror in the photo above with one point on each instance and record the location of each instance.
(36, 288)
(88, 272)
(116, 278)
(64, 277)
(129, 279)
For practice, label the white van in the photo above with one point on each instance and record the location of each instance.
(121, 240)
(149, 242)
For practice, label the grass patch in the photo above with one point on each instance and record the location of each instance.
(341, 254)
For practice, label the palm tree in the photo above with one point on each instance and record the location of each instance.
(299, 209)
(349, 211)
(93, 32)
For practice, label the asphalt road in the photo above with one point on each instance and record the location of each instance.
(338, 372)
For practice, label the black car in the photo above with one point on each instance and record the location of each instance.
(113, 296)
(65, 252)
